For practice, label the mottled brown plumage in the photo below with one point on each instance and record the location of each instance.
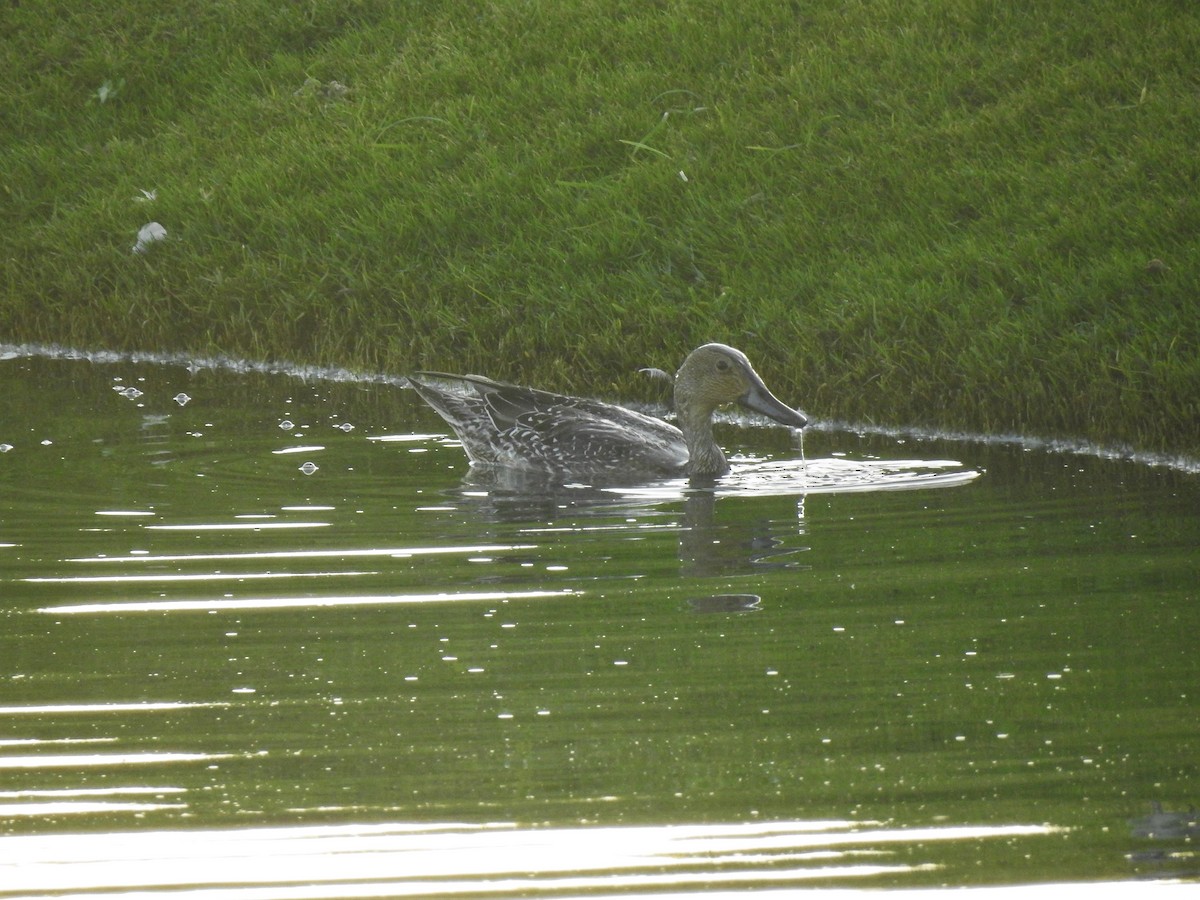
(507, 425)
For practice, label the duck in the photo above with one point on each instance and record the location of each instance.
(507, 425)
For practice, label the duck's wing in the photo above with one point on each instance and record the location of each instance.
(592, 438)
(456, 407)
(510, 425)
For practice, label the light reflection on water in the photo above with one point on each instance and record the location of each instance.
(784, 478)
(59, 709)
(395, 860)
(208, 576)
(81, 760)
(267, 603)
(76, 802)
(865, 667)
(341, 553)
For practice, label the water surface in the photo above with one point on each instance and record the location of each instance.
(262, 621)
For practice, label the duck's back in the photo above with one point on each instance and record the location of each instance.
(507, 425)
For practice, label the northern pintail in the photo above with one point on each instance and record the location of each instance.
(518, 427)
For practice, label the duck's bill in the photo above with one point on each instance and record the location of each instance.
(759, 399)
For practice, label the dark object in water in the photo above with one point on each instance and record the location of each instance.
(1166, 825)
(726, 603)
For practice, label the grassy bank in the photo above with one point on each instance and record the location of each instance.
(955, 213)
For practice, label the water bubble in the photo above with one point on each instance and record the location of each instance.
(287, 425)
(309, 467)
(4, 448)
(182, 399)
(130, 393)
(346, 427)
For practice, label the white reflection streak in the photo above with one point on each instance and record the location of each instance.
(82, 807)
(75, 760)
(61, 708)
(518, 887)
(238, 526)
(90, 792)
(215, 576)
(632, 527)
(40, 742)
(404, 438)
(305, 554)
(405, 861)
(792, 477)
(225, 604)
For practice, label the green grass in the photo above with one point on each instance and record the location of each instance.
(962, 214)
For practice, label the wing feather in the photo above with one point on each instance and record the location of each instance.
(510, 425)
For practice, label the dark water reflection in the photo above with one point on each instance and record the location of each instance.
(275, 620)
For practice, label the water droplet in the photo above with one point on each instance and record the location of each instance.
(346, 427)
(4, 448)
(287, 425)
(182, 399)
(308, 468)
(131, 393)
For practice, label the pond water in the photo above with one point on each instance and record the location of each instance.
(265, 634)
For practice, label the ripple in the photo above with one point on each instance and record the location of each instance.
(264, 603)
(64, 708)
(496, 859)
(336, 553)
(166, 578)
(238, 526)
(789, 477)
(87, 760)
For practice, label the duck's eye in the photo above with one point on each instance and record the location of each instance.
(722, 365)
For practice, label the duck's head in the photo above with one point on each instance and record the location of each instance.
(715, 374)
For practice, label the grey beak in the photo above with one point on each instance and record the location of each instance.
(759, 399)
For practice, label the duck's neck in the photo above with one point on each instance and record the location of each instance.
(705, 457)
